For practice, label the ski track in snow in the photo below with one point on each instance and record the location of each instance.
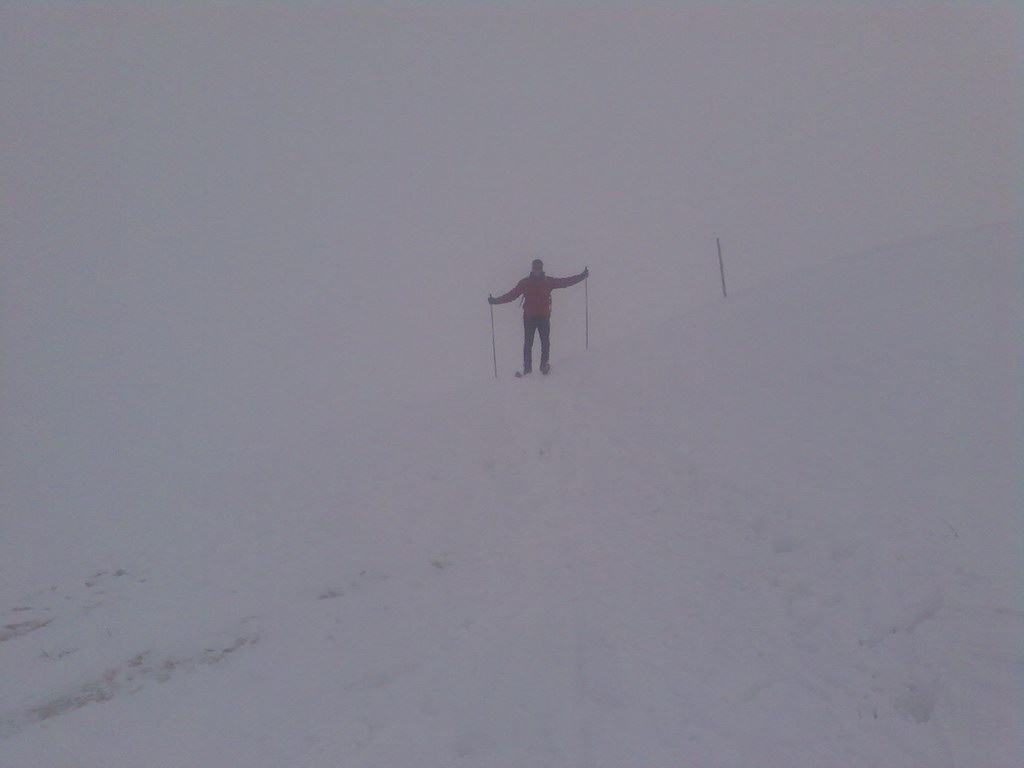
(55, 607)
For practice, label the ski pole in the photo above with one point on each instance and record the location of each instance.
(586, 307)
(494, 347)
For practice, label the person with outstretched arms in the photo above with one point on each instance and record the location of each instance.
(535, 289)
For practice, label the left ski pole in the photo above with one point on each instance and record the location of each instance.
(586, 307)
(494, 346)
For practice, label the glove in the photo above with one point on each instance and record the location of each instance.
(491, 300)
(586, 272)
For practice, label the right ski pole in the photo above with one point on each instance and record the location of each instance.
(586, 307)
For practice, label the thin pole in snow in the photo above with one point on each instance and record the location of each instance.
(494, 346)
(586, 308)
(721, 266)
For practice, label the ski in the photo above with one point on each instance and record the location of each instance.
(544, 369)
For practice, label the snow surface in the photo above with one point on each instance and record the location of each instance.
(780, 530)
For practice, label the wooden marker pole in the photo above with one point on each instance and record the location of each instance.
(721, 266)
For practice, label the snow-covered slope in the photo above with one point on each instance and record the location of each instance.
(782, 530)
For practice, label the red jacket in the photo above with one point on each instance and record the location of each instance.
(536, 293)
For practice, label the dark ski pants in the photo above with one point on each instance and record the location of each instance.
(531, 324)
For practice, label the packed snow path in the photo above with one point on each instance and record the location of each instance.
(779, 531)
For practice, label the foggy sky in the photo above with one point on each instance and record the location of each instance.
(227, 221)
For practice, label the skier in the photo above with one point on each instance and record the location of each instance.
(536, 289)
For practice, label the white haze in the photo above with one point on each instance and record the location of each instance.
(777, 531)
(226, 224)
